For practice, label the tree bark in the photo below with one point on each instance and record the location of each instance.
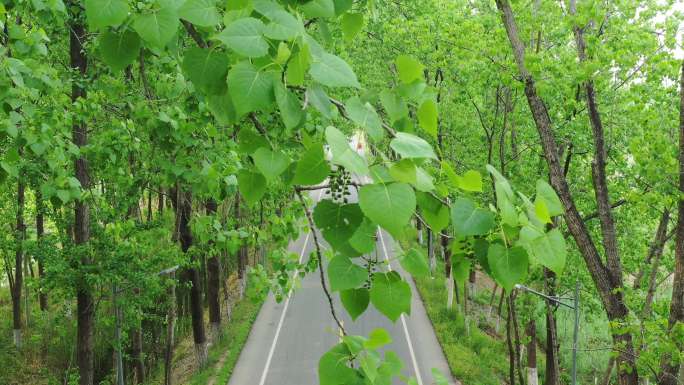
(656, 248)
(669, 367)
(192, 275)
(607, 279)
(18, 262)
(552, 373)
(531, 331)
(40, 232)
(213, 283)
(84, 299)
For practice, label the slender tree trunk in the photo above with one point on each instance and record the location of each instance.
(192, 275)
(531, 331)
(609, 371)
(40, 232)
(552, 372)
(608, 278)
(137, 353)
(516, 334)
(669, 368)
(84, 298)
(656, 248)
(242, 251)
(170, 332)
(509, 343)
(214, 283)
(161, 201)
(18, 263)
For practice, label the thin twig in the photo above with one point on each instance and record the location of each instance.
(320, 261)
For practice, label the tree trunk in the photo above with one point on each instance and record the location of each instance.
(509, 343)
(552, 373)
(656, 248)
(40, 232)
(192, 275)
(531, 331)
(213, 283)
(170, 332)
(136, 354)
(608, 279)
(84, 298)
(18, 263)
(669, 368)
(242, 251)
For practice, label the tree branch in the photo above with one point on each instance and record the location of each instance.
(319, 255)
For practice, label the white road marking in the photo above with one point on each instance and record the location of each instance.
(282, 316)
(403, 321)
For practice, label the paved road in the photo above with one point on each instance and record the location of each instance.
(288, 338)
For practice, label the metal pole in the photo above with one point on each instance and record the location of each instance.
(575, 336)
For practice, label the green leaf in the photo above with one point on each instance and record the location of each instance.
(332, 71)
(363, 239)
(389, 205)
(245, 36)
(469, 220)
(509, 266)
(460, 269)
(319, 8)
(206, 69)
(435, 213)
(355, 301)
(338, 223)
(403, 171)
(378, 338)
(104, 13)
(312, 168)
(283, 26)
(252, 186)
(270, 163)
(470, 181)
(550, 250)
(250, 89)
(221, 106)
(541, 210)
(119, 49)
(298, 66)
(409, 69)
(289, 106)
(415, 262)
(352, 24)
(546, 193)
(343, 154)
(394, 105)
(411, 146)
(250, 141)
(158, 27)
(427, 117)
(390, 295)
(200, 12)
(320, 100)
(333, 369)
(364, 115)
(345, 274)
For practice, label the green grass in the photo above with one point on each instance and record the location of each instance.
(233, 339)
(473, 356)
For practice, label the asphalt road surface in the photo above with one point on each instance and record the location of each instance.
(288, 338)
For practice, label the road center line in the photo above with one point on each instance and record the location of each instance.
(287, 304)
(403, 321)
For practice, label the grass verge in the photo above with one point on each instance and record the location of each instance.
(223, 355)
(474, 357)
